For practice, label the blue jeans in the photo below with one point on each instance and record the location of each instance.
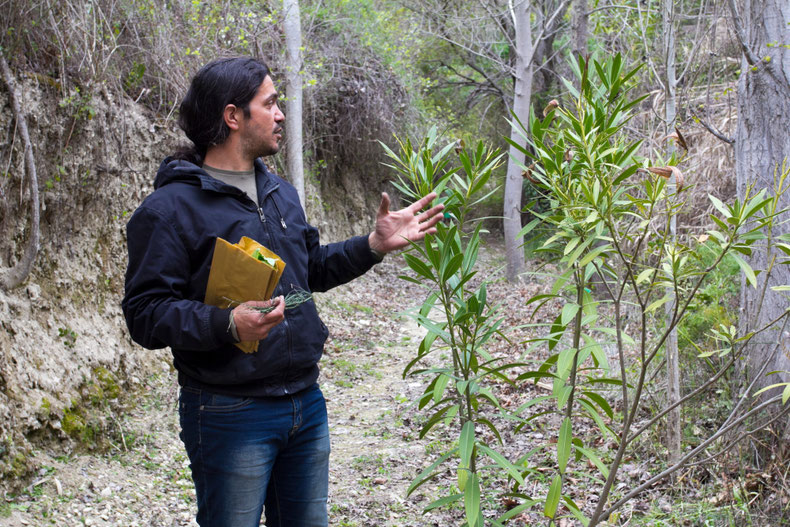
(247, 453)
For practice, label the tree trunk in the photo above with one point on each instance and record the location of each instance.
(762, 145)
(671, 345)
(293, 90)
(513, 183)
(579, 28)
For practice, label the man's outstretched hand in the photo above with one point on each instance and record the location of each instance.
(394, 229)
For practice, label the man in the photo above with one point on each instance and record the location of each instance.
(254, 425)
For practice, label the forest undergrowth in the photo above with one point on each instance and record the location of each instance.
(144, 479)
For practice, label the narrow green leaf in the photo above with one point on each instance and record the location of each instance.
(441, 502)
(785, 248)
(452, 266)
(555, 333)
(595, 253)
(438, 389)
(569, 311)
(472, 501)
(771, 387)
(538, 298)
(435, 418)
(593, 413)
(601, 402)
(466, 443)
(515, 511)
(576, 511)
(589, 454)
(418, 266)
(535, 375)
(571, 246)
(528, 228)
(747, 269)
(553, 497)
(431, 326)
(502, 461)
(563, 393)
(427, 474)
(720, 206)
(658, 303)
(644, 275)
(564, 444)
(564, 362)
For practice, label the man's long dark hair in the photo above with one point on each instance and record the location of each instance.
(217, 84)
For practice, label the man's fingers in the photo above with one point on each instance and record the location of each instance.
(427, 226)
(384, 206)
(422, 202)
(431, 213)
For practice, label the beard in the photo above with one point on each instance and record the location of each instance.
(255, 147)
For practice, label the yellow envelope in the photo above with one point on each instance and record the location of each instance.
(236, 276)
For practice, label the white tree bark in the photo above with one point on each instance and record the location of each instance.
(293, 91)
(521, 103)
(580, 32)
(762, 145)
(671, 345)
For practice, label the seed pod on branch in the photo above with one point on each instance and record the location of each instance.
(666, 173)
(553, 104)
(459, 146)
(679, 139)
(527, 174)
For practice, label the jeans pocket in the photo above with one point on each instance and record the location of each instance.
(218, 403)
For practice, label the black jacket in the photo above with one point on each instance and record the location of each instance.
(171, 240)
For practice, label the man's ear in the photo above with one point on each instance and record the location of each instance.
(232, 116)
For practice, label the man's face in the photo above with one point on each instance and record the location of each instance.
(261, 132)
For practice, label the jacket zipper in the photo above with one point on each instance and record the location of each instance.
(282, 220)
(286, 326)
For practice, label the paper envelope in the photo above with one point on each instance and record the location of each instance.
(236, 276)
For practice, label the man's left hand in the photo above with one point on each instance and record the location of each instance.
(395, 229)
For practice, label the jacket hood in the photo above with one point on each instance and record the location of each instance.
(173, 170)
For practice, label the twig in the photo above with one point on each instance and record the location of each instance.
(716, 133)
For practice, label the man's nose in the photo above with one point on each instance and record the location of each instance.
(279, 115)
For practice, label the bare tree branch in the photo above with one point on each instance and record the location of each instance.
(11, 278)
(713, 130)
